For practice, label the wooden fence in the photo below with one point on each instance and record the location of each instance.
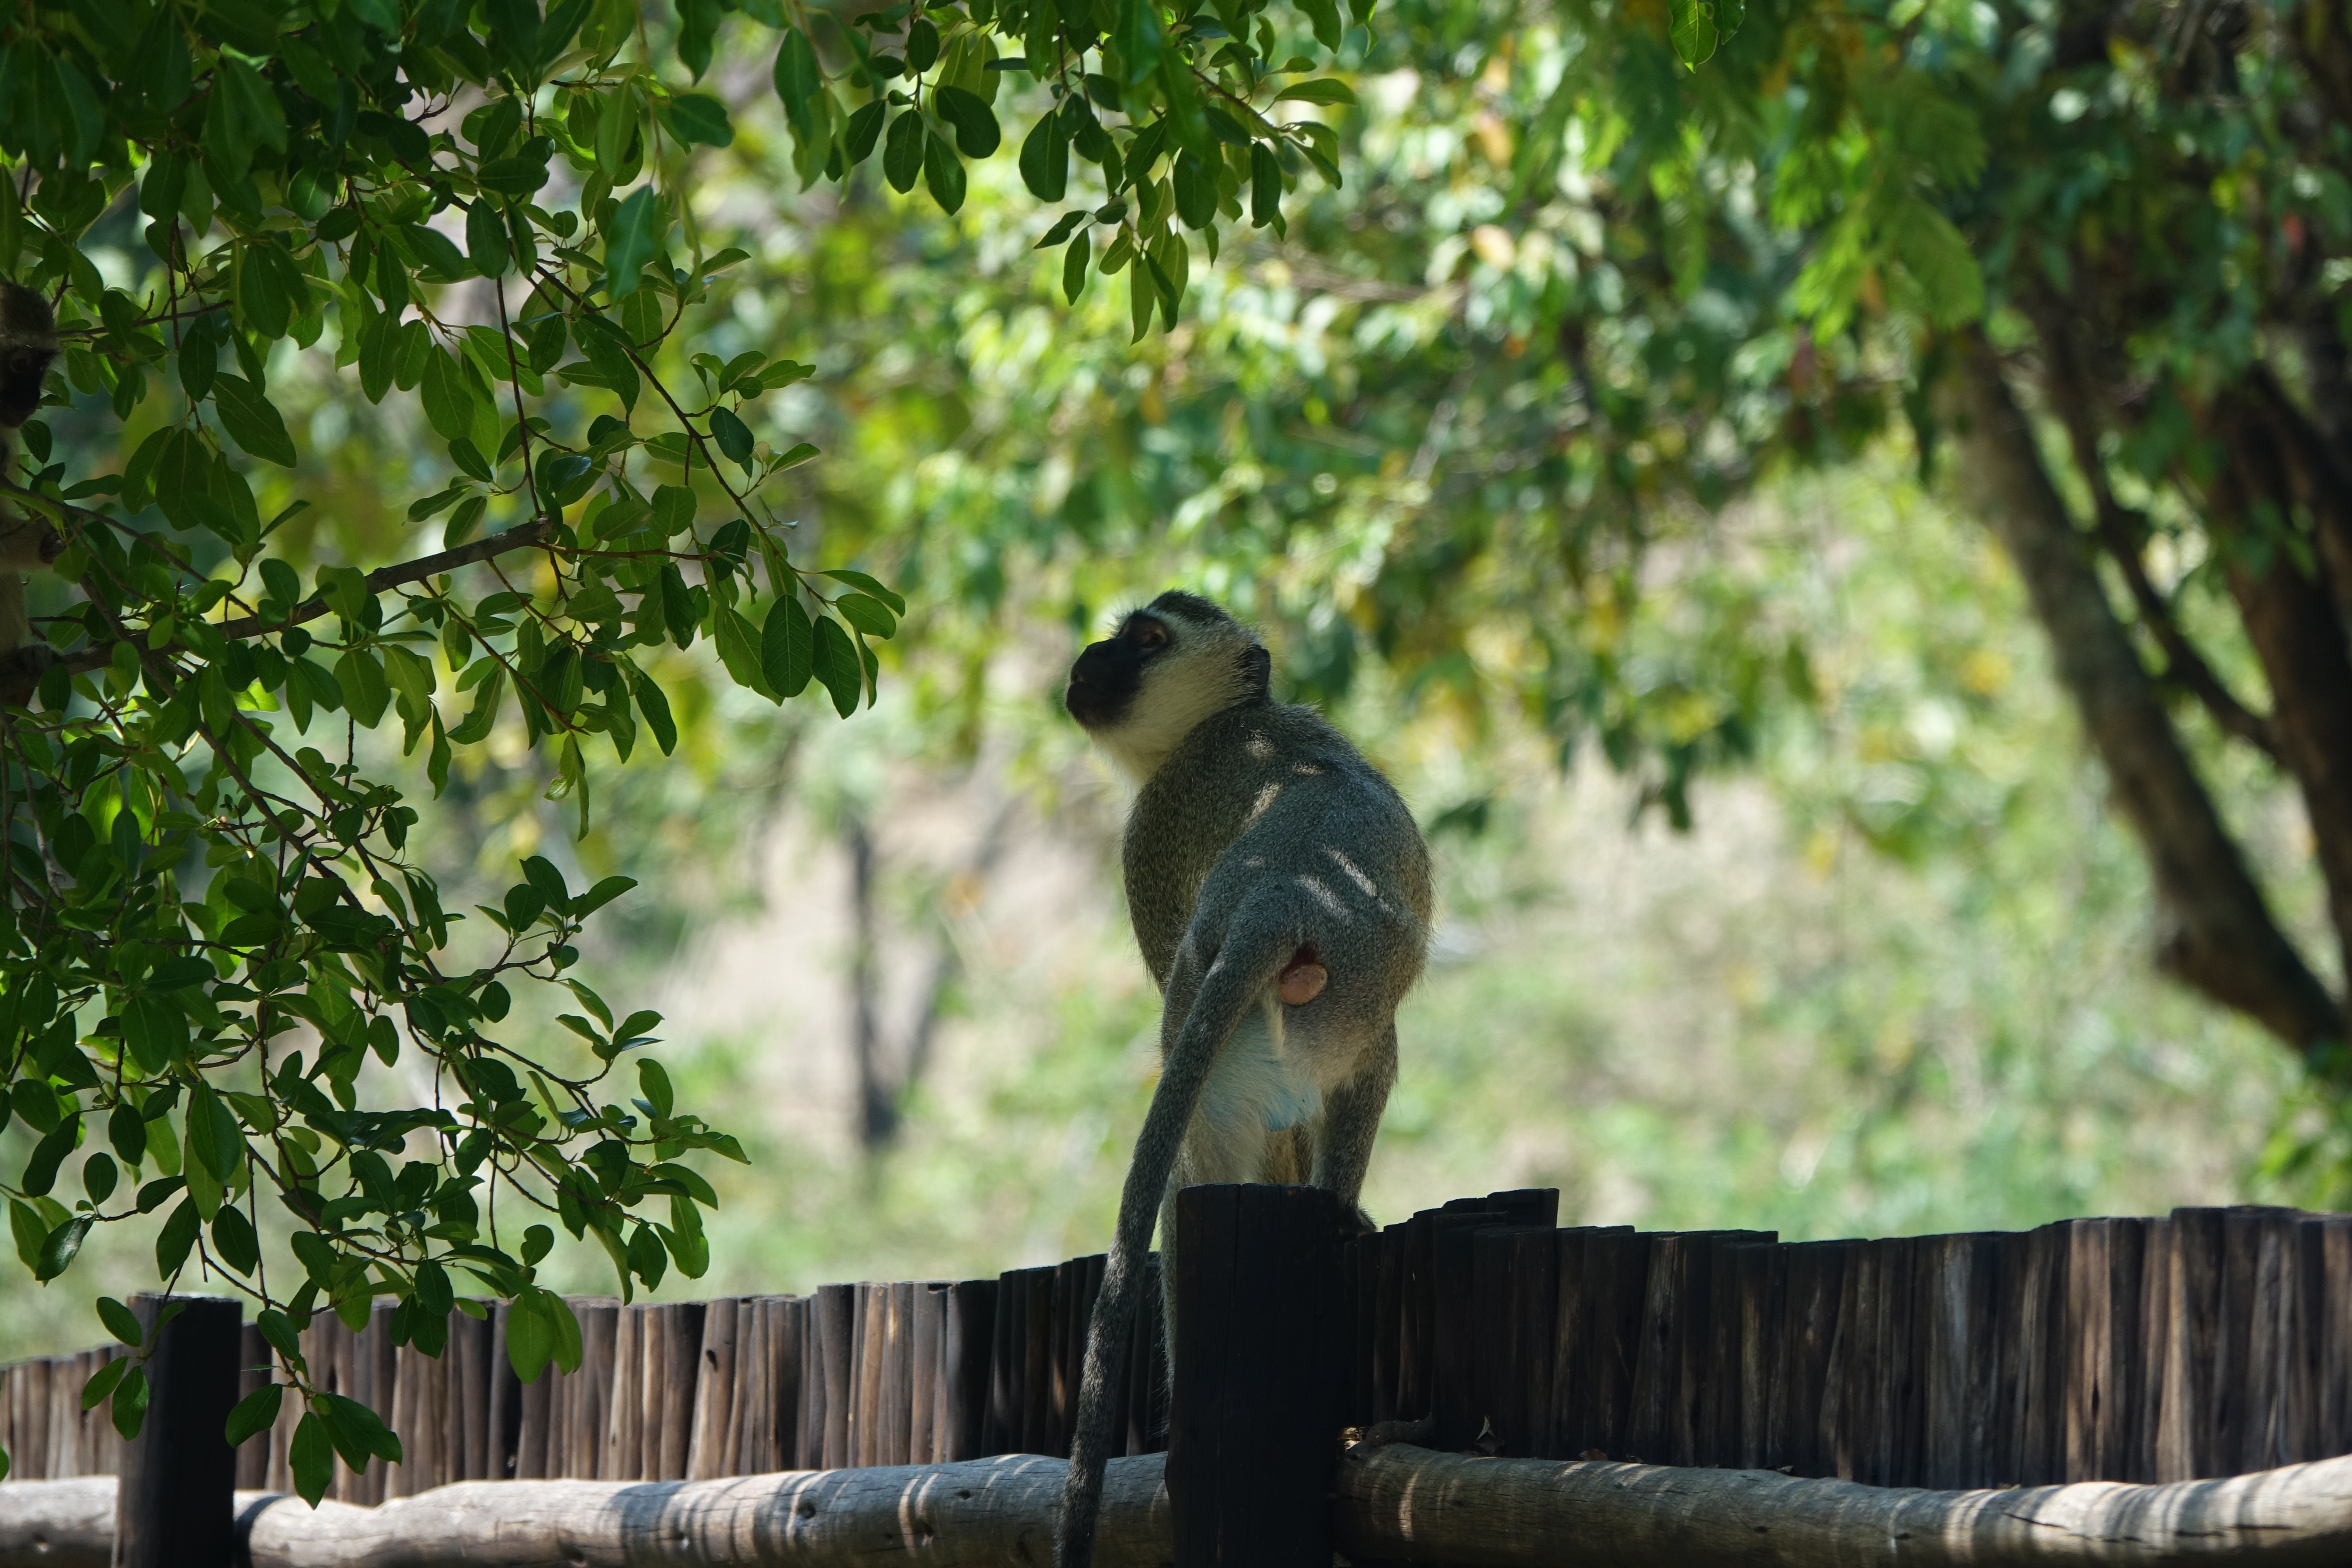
(2211, 1342)
(852, 1376)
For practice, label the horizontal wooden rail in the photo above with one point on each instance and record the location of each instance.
(1401, 1504)
(979, 1513)
(1397, 1504)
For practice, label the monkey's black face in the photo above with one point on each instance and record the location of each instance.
(1109, 674)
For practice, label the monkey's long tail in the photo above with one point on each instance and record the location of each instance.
(1252, 954)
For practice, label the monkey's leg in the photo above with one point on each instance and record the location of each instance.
(1350, 1121)
(1238, 1131)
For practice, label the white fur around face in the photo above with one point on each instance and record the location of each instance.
(1198, 677)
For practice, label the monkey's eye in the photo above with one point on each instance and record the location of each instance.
(1149, 635)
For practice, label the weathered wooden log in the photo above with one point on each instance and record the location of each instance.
(982, 1513)
(1401, 1504)
(1397, 1504)
(57, 1524)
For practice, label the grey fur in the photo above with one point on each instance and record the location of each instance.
(29, 346)
(1259, 834)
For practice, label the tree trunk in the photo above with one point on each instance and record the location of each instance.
(2215, 931)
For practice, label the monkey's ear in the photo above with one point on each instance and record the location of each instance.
(1257, 670)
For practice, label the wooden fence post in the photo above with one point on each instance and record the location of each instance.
(174, 1506)
(1261, 1377)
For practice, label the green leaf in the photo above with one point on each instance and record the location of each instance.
(251, 420)
(530, 1337)
(41, 1170)
(1323, 89)
(233, 1239)
(129, 1407)
(739, 647)
(976, 124)
(448, 395)
(102, 1382)
(59, 1249)
(1195, 179)
(156, 1032)
(256, 1412)
(358, 1433)
(864, 129)
(690, 1249)
(1045, 159)
(649, 1259)
(1074, 268)
(243, 113)
(654, 707)
(635, 238)
(798, 82)
(654, 1080)
(734, 437)
(785, 643)
(868, 613)
(943, 173)
(1265, 186)
(1140, 38)
(608, 351)
(1325, 15)
(602, 893)
(698, 118)
(214, 1131)
(902, 151)
(177, 1238)
(1693, 31)
(120, 1321)
(871, 584)
(486, 238)
(834, 661)
(311, 1456)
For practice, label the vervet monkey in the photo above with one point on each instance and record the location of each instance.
(28, 345)
(1280, 893)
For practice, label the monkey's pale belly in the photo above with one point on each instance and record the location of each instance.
(1264, 1079)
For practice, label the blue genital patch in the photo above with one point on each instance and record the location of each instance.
(1295, 1100)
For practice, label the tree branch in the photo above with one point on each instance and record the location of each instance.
(2123, 531)
(21, 668)
(2215, 931)
(2295, 631)
(522, 536)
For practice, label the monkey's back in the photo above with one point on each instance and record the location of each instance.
(1266, 794)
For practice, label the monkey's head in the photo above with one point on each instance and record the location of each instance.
(28, 343)
(1171, 664)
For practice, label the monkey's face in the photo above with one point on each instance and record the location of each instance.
(1172, 664)
(1109, 675)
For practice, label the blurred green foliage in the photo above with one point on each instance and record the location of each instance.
(1496, 403)
(450, 202)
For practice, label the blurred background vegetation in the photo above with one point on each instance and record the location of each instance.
(1780, 888)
